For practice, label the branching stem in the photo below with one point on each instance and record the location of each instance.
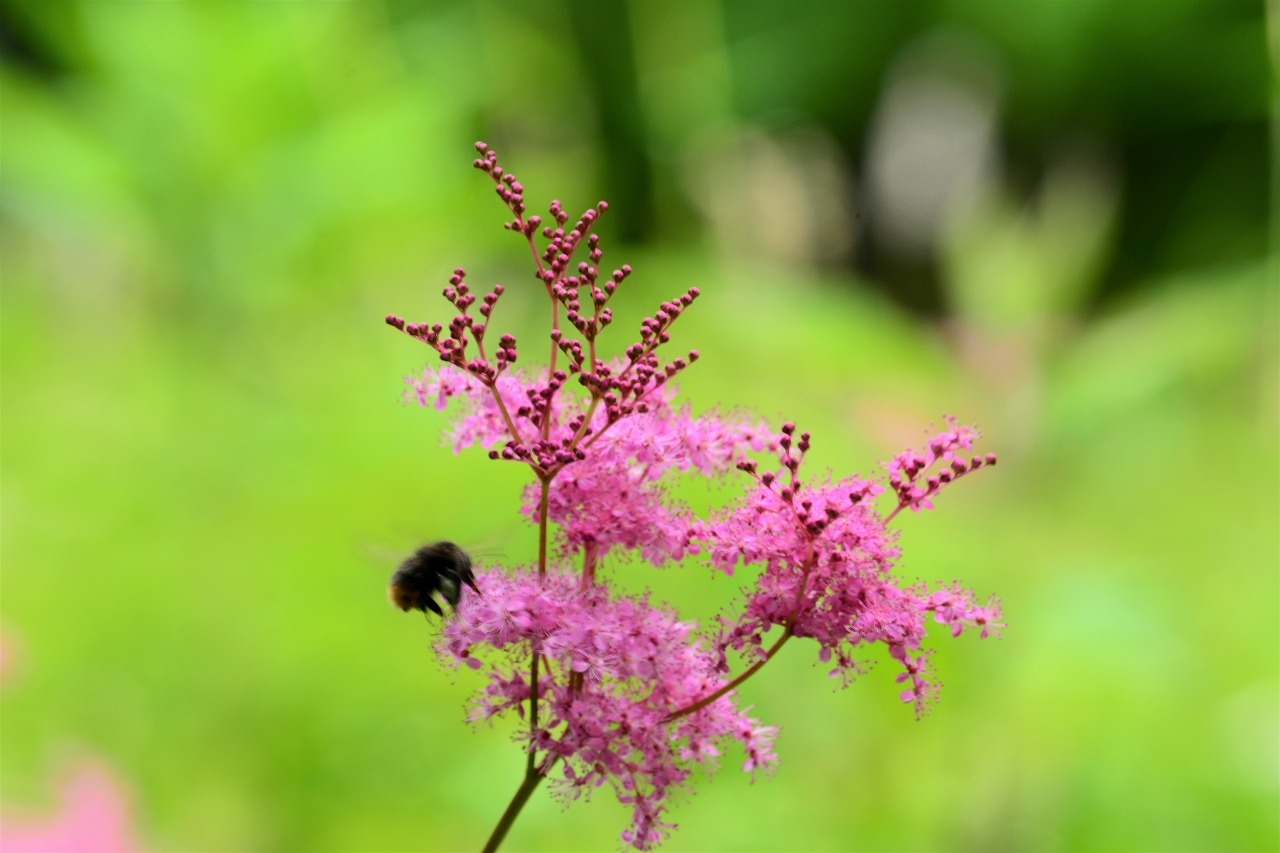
(732, 685)
(788, 631)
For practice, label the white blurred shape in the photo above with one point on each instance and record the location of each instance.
(932, 146)
(783, 196)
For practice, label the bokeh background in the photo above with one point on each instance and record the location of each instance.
(1051, 219)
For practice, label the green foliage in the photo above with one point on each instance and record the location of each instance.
(205, 210)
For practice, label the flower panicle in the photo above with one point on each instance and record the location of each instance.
(616, 389)
(909, 475)
(828, 563)
(637, 662)
(614, 689)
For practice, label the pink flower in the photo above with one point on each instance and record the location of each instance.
(618, 496)
(908, 471)
(827, 563)
(617, 690)
(93, 817)
(636, 662)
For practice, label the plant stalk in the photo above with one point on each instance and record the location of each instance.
(531, 780)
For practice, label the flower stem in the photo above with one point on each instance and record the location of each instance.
(787, 634)
(531, 780)
(545, 487)
(533, 702)
(747, 673)
(506, 416)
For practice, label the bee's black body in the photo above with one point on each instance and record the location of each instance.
(441, 567)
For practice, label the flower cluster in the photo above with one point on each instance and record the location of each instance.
(616, 689)
(619, 499)
(613, 667)
(827, 560)
(907, 471)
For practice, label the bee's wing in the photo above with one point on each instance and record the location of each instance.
(450, 590)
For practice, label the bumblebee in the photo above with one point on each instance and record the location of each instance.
(441, 567)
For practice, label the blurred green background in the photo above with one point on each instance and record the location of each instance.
(1049, 218)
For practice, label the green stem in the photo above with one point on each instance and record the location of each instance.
(533, 702)
(531, 780)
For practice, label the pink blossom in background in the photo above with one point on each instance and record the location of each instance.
(7, 656)
(92, 816)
